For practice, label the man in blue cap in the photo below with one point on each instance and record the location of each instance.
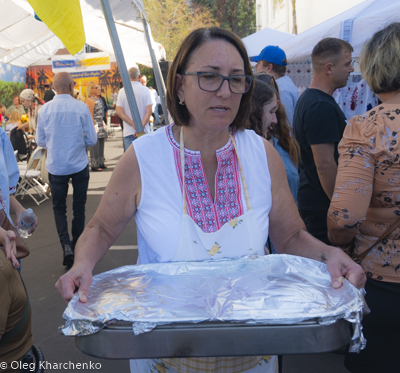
(272, 60)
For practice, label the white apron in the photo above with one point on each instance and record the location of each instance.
(238, 237)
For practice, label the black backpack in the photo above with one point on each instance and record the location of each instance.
(19, 142)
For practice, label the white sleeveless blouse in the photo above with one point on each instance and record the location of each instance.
(159, 214)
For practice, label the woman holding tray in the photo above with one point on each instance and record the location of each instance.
(203, 188)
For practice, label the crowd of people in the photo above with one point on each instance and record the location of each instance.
(247, 163)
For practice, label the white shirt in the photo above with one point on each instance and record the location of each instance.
(143, 99)
(289, 95)
(65, 128)
(159, 214)
(154, 96)
(8, 170)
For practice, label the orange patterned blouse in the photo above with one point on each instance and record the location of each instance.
(367, 190)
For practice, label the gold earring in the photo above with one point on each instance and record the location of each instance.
(181, 102)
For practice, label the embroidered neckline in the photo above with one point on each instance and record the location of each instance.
(226, 148)
(210, 215)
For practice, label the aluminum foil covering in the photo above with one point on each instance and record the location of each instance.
(272, 289)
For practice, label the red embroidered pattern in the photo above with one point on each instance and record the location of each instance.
(228, 205)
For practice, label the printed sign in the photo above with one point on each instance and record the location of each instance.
(81, 63)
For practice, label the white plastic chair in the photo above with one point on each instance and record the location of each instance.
(29, 177)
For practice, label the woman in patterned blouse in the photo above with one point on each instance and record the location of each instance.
(366, 201)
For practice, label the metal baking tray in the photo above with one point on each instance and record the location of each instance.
(207, 339)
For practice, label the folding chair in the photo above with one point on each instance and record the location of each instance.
(110, 130)
(29, 177)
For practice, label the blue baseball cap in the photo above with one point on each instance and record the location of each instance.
(271, 54)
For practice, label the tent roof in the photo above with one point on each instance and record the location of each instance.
(355, 25)
(25, 41)
(256, 42)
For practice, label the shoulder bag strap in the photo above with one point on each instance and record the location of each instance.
(393, 227)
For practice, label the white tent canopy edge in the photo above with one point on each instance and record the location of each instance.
(355, 25)
(25, 41)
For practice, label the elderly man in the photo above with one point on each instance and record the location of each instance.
(143, 80)
(16, 106)
(318, 126)
(65, 128)
(144, 103)
(272, 60)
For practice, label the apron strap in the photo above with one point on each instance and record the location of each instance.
(182, 153)
(246, 189)
(182, 149)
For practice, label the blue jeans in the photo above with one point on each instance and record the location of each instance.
(128, 141)
(156, 115)
(59, 191)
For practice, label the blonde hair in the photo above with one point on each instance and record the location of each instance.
(380, 58)
(78, 95)
(14, 117)
(89, 88)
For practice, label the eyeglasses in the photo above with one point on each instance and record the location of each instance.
(269, 79)
(264, 77)
(211, 82)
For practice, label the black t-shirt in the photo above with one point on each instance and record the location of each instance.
(317, 119)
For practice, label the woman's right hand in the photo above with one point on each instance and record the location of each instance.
(20, 125)
(77, 279)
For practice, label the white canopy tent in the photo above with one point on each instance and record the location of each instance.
(25, 41)
(355, 25)
(256, 42)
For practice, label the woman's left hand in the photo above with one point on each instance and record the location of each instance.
(342, 266)
(7, 240)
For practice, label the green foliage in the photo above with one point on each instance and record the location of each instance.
(148, 71)
(172, 20)
(8, 90)
(238, 16)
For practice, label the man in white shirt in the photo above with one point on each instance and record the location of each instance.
(144, 104)
(272, 60)
(65, 128)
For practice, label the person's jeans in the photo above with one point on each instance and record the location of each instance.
(59, 191)
(128, 141)
(156, 115)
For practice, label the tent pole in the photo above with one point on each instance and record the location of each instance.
(122, 65)
(156, 69)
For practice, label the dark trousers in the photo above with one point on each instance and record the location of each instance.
(381, 329)
(315, 221)
(59, 190)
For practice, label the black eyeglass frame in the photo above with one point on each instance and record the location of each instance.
(228, 78)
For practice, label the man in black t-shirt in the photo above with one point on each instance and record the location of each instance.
(318, 124)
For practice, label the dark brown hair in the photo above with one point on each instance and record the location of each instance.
(263, 93)
(194, 40)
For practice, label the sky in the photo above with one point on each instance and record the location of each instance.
(10, 73)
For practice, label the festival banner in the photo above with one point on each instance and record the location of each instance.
(81, 63)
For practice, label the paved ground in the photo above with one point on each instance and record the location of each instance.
(44, 266)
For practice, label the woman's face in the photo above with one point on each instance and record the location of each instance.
(96, 90)
(212, 110)
(269, 115)
(26, 103)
